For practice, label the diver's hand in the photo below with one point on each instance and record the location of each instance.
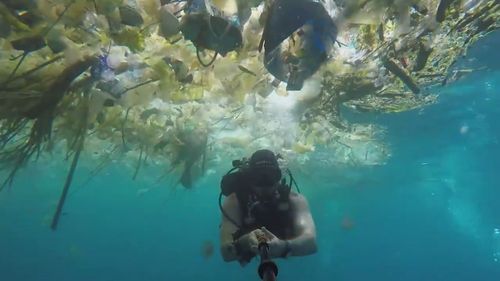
(250, 242)
(277, 248)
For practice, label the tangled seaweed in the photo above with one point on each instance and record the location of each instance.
(142, 89)
(18, 149)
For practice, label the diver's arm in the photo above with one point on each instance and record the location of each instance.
(232, 208)
(304, 242)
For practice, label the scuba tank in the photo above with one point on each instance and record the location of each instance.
(238, 180)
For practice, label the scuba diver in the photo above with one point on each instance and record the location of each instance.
(260, 206)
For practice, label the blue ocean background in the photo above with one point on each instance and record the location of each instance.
(428, 214)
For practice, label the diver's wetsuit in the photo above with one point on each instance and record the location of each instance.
(274, 214)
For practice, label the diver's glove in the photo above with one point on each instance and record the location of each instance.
(278, 248)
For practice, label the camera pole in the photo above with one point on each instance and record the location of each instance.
(268, 270)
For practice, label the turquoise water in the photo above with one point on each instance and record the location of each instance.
(428, 214)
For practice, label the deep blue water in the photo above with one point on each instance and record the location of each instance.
(428, 214)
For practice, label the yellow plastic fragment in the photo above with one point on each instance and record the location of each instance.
(130, 37)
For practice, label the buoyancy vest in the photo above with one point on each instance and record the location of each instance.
(273, 213)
